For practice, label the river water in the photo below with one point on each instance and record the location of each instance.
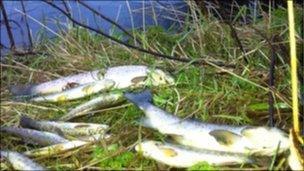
(46, 21)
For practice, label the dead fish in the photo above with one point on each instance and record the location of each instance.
(56, 149)
(57, 85)
(64, 128)
(76, 93)
(20, 162)
(241, 139)
(124, 77)
(102, 101)
(296, 156)
(136, 76)
(67, 146)
(183, 157)
(34, 137)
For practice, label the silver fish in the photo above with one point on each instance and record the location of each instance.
(34, 136)
(66, 146)
(77, 92)
(64, 128)
(56, 148)
(241, 139)
(102, 101)
(183, 157)
(20, 162)
(123, 76)
(57, 85)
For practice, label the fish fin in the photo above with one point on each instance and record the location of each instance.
(139, 79)
(59, 131)
(139, 98)
(168, 152)
(27, 122)
(224, 137)
(21, 90)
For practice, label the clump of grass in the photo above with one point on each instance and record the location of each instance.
(202, 166)
(204, 92)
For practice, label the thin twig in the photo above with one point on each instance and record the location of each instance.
(234, 35)
(271, 85)
(155, 54)
(7, 25)
(10, 103)
(26, 24)
(107, 19)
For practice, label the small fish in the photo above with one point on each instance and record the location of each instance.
(56, 149)
(20, 162)
(34, 137)
(102, 101)
(183, 157)
(76, 93)
(241, 139)
(64, 128)
(57, 85)
(296, 156)
(124, 77)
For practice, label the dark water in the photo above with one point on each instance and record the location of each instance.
(46, 21)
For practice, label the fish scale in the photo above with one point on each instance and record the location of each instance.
(35, 137)
(66, 128)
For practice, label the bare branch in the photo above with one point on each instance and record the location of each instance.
(107, 19)
(8, 28)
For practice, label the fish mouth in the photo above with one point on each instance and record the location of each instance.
(138, 148)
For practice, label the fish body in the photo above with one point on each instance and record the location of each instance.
(56, 148)
(102, 101)
(20, 162)
(124, 77)
(241, 139)
(296, 156)
(136, 76)
(65, 128)
(183, 157)
(34, 136)
(57, 85)
(77, 92)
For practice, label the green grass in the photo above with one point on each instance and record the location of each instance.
(203, 92)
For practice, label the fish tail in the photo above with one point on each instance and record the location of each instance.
(27, 122)
(140, 99)
(23, 90)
